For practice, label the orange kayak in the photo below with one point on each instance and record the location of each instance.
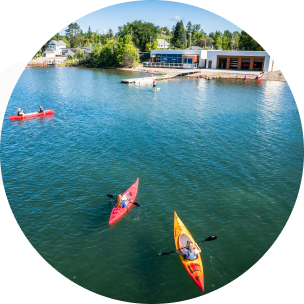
(194, 267)
(129, 195)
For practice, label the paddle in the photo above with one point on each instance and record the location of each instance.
(135, 203)
(210, 238)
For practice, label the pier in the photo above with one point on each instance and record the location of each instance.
(158, 77)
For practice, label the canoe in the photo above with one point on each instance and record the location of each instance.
(30, 115)
(195, 267)
(129, 195)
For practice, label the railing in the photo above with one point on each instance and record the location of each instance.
(166, 65)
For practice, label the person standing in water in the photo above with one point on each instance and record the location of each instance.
(154, 84)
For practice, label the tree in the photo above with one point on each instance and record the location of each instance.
(71, 31)
(189, 27)
(140, 32)
(152, 46)
(78, 40)
(179, 34)
(89, 33)
(246, 42)
(110, 34)
(127, 53)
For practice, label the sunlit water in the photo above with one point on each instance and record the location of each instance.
(227, 156)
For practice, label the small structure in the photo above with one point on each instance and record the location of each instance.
(49, 54)
(162, 44)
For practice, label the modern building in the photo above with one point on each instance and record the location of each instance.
(212, 59)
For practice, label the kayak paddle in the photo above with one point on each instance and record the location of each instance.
(210, 238)
(135, 203)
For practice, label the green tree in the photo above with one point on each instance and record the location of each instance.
(179, 38)
(127, 53)
(139, 30)
(152, 46)
(71, 31)
(189, 27)
(246, 42)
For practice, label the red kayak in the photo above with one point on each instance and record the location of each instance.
(30, 115)
(128, 196)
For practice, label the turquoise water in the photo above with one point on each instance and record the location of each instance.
(227, 156)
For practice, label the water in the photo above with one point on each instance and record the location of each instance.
(225, 155)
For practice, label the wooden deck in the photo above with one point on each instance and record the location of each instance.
(156, 77)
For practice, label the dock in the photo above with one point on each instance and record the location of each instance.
(157, 77)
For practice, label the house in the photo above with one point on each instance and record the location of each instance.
(162, 44)
(211, 59)
(56, 46)
(49, 54)
(68, 52)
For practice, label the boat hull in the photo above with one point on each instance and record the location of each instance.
(130, 195)
(30, 115)
(195, 267)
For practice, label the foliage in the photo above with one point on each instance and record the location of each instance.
(127, 53)
(152, 46)
(140, 32)
(246, 42)
(71, 32)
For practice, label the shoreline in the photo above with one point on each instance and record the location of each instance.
(210, 74)
(207, 74)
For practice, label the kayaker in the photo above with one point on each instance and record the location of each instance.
(193, 252)
(19, 112)
(119, 202)
(40, 109)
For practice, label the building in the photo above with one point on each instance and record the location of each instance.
(162, 44)
(49, 54)
(211, 59)
(56, 46)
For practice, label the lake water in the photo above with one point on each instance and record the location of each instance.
(227, 156)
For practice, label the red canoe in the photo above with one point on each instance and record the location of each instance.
(45, 113)
(129, 195)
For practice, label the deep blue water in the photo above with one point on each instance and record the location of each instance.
(227, 156)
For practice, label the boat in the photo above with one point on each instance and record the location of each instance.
(261, 75)
(194, 267)
(163, 75)
(156, 89)
(30, 115)
(129, 196)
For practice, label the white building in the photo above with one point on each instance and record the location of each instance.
(212, 59)
(49, 54)
(56, 46)
(162, 44)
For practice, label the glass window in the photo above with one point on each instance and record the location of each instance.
(190, 60)
(184, 60)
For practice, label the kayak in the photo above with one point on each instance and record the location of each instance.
(157, 89)
(194, 267)
(30, 115)
(163, 75)
(128, 196)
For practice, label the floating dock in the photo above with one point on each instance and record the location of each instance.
(157, 77)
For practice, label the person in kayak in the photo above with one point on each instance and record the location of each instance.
(190, 252)
(119, 202)
(40, 109)
(19, 112)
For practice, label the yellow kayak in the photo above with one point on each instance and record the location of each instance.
(194, 267)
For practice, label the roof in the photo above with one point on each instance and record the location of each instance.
(58, 43)
(161, 42)
(49, 52)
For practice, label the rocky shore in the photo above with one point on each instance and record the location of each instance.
(212, 74)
